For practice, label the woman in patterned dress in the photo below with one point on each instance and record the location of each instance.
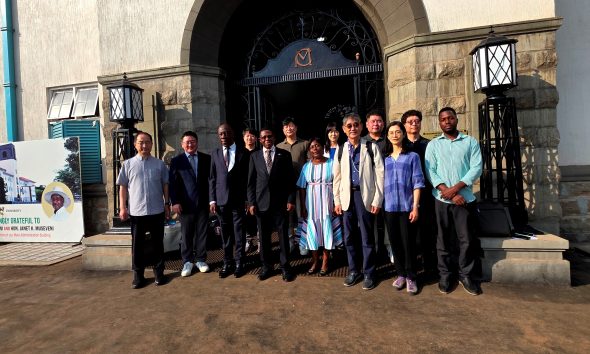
(317, 201)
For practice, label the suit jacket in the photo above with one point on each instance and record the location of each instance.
(371, 177)
(229, 187)
(190, 192)
(271, 191)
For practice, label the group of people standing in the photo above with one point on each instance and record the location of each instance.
(420, 190)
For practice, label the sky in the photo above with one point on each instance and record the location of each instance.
(39, 160)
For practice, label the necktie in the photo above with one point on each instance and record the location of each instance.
(193, 164)
(268, 161)
(226, 157)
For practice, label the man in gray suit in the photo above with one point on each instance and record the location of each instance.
(227, 198)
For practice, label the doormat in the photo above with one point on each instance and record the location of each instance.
(338, 264)
(38, 254)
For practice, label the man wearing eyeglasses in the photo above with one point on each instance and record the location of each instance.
(189, 195)
(426, 233)
(358, 196)
(271, 196)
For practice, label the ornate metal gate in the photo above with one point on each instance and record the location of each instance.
(312, 45)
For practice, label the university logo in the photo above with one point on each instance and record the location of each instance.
(303, 57)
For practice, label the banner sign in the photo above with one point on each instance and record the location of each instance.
(41, 191)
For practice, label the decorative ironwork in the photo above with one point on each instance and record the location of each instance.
(501, 180)
(350, 45)
(122, 149)
(321, 74)
(348, 36)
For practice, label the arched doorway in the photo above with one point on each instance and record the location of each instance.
(310, 63)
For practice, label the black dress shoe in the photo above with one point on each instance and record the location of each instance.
(240, 271)
(264, 274)
(288, 276)
(444, 286)
(470, 286)
(226, 270)
(138, 280)
(161, 279)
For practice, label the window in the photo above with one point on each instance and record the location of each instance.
(85, 103)
(74, 102)
(61, 104)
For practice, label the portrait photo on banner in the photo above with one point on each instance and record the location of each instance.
(41, 191)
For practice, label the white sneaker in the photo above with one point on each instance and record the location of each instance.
(203, 267)
(187, 269)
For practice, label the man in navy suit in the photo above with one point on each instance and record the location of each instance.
(189, 195)
(271, 195)
(227, 198)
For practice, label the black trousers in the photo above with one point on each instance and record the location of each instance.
(147, 242)
(268, 221)
(427, 232)
(359, 238)
(193, 227)
(232, 233)
(455, 241)
(402, 236)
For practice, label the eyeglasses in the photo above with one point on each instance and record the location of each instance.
(413, 122)
(350, 125)
(265, 137)
(190, 142)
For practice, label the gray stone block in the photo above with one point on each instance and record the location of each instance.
(107, 252)
(508, 260)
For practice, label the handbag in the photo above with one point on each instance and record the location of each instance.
(493, 220)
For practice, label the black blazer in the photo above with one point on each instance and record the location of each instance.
(190, 192)
(229, 188)
(272, 191)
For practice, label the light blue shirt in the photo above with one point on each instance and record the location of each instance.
(450, 161)
(145, 179)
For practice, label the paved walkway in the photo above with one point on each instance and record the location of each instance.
(38, 253)
(62, 308)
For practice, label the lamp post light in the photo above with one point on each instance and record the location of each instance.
(126, 108)
(494, 72)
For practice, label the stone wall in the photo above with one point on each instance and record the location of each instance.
(437, 71)
(187, 97)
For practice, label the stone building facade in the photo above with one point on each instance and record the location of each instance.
(179, 55)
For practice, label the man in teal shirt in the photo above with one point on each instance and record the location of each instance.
(453, 163)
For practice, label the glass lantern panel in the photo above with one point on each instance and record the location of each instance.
(476, 71)
(499, 65)
(137, 103)
(116, 96)
(127, 102)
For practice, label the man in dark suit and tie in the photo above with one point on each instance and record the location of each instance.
(271, 195)
(227, 198)
(189, 195)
